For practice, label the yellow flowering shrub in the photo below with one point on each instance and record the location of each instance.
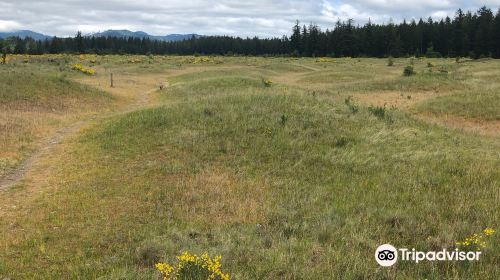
(267, 82)
(198, 60)
(5, 59)
(81, 68)
(135, 60)
(476, 241)
(324, 59)
(193, 267)
(92, 58)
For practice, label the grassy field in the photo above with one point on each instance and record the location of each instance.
(287, 168)
(36, 100)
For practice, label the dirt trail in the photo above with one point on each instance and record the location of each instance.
(142, 100)
(130, 89)
(306, 67)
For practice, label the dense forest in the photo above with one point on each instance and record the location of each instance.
(467, 34)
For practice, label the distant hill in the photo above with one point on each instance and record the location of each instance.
(108, 33)
(180, 37)
(121, 33)
(141, 34)
(23, 34)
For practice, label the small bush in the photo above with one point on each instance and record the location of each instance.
(284, 119)
(82, 69)
(390, 61)
(377, 111)
(341, 142)
(193, 267)
(208, 112)
(352, 107)
(408, 71)
(148, 254)
(430, 64)
(267, 82)
(443, 70)
(348, 100)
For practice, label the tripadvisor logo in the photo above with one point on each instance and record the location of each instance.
(387, 255)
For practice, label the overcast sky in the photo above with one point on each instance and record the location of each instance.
(264, 18)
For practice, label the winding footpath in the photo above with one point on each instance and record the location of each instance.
(46, 148)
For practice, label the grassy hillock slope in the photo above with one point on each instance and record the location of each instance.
(34, 102)
(284, 184)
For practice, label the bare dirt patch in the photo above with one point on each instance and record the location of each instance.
(481, 127)
(406, 101)
(394, 99)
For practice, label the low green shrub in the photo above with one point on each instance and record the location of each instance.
(408, 71)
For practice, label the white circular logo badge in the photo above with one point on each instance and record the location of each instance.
(386, 255)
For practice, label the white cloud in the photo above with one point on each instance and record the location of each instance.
(347, 11)
(244, 18)
(491, 3)
(9, 25)
(442, 14)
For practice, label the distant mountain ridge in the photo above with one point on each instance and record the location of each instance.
(141, 34)
(108, 33)
(23, 34)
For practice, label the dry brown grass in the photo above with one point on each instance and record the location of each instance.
(394, 99)
(214, 196)
(477, 126)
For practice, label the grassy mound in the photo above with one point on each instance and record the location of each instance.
(45, 91)
(213, 74)
(426, 81)
(478, 105)
(282, 186)
(33, 103)
(208, 87)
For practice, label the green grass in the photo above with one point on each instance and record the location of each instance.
(285, 67)
(470, 104)
(209, 87)
(43, 90)
(423, 81)
(282, 183)
(201, 176)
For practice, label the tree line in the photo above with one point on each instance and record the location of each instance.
(466, 34)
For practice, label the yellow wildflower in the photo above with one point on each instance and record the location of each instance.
(192, 263)
(324, 59)
(165, 270)
(79, 67)
(488, 231)
(476, 240)
(267, 82)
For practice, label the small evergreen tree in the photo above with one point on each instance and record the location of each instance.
(79, 42)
